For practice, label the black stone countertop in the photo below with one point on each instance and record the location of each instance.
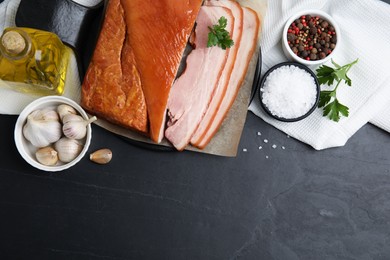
(296, 204)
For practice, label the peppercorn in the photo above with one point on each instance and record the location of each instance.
(332, 46)
(291, 37)
(313, 56)
(313, 30)
(322, 55)
(314, 50)
(304, 54)
(324, 24)
(326, 50)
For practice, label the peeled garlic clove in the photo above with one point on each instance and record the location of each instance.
(64, 110)
(101, 156)
(77, 129)
(68, 149)
(47, 156)
(42, 128)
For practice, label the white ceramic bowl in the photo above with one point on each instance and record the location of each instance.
(291, 55)
(27, 150)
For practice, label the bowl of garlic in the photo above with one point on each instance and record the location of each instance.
(53, 133)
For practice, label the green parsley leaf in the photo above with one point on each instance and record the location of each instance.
(335, 64)
(325, 75)
(325, 97)
(334, 109)
(328, 99)
(218, 36)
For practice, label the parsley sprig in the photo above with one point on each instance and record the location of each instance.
(328, 98)
(219, 36)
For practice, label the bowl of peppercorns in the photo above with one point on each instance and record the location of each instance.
(310, 37)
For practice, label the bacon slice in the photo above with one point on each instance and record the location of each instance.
(192, 91)
(251, 24)
(227, 71)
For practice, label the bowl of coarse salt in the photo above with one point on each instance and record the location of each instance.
(289, 92)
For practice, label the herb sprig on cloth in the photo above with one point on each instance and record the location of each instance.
(328, 98)
(218, 36)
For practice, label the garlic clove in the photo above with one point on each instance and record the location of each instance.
(102, 156)
(71, 117)
(77, 129)
(47, 114)
(68, 149)
(64, 110)
(42, 128)
(47, 156)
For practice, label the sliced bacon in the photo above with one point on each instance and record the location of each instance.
(191, 93)
(227, 71)
(251, 24)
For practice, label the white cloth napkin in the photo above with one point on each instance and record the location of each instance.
(365, 35)
(8, 10)
(12, 102)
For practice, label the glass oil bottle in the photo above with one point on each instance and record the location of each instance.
(33, 61)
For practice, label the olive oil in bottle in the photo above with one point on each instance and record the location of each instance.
(33, 61)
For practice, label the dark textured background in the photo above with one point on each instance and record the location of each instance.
(296, 204)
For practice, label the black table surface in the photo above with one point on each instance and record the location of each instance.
(287, 202)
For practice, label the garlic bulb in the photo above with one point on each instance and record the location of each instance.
(47, 156)
(68, 149)
(76, 129)
(101, 156)
(42, 127)
(64, 110)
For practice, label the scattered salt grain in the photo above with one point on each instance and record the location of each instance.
(265, 141)
(289, 92)
(266, 157)
(244, 150)
(288, 136)
(260, 147)
(274, 146)
(283, 147)
(258, 133)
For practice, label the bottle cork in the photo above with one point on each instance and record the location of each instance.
(13, 42)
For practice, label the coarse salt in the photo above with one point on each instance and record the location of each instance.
(289, 92)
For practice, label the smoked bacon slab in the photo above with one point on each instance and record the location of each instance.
(112, 85)
(136, 61)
